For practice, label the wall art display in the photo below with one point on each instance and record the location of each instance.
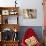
(12, 12)
(5, 12)
(30, 13)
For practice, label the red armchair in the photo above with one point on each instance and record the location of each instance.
(28, 34)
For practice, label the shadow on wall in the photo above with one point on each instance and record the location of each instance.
(37, 29)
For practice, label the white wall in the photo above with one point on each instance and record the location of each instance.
(10, 3)
(33, 4)
(23, 4)
(7, 3)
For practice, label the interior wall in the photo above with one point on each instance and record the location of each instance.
(7, 3)
(32, 4)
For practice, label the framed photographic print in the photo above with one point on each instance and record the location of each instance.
(30, 13)
(12, 12)
(5, 12)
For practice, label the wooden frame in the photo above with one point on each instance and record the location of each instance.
(5, 24)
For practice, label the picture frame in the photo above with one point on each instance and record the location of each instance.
(12, 12)
(5, 12)
(30, 13)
